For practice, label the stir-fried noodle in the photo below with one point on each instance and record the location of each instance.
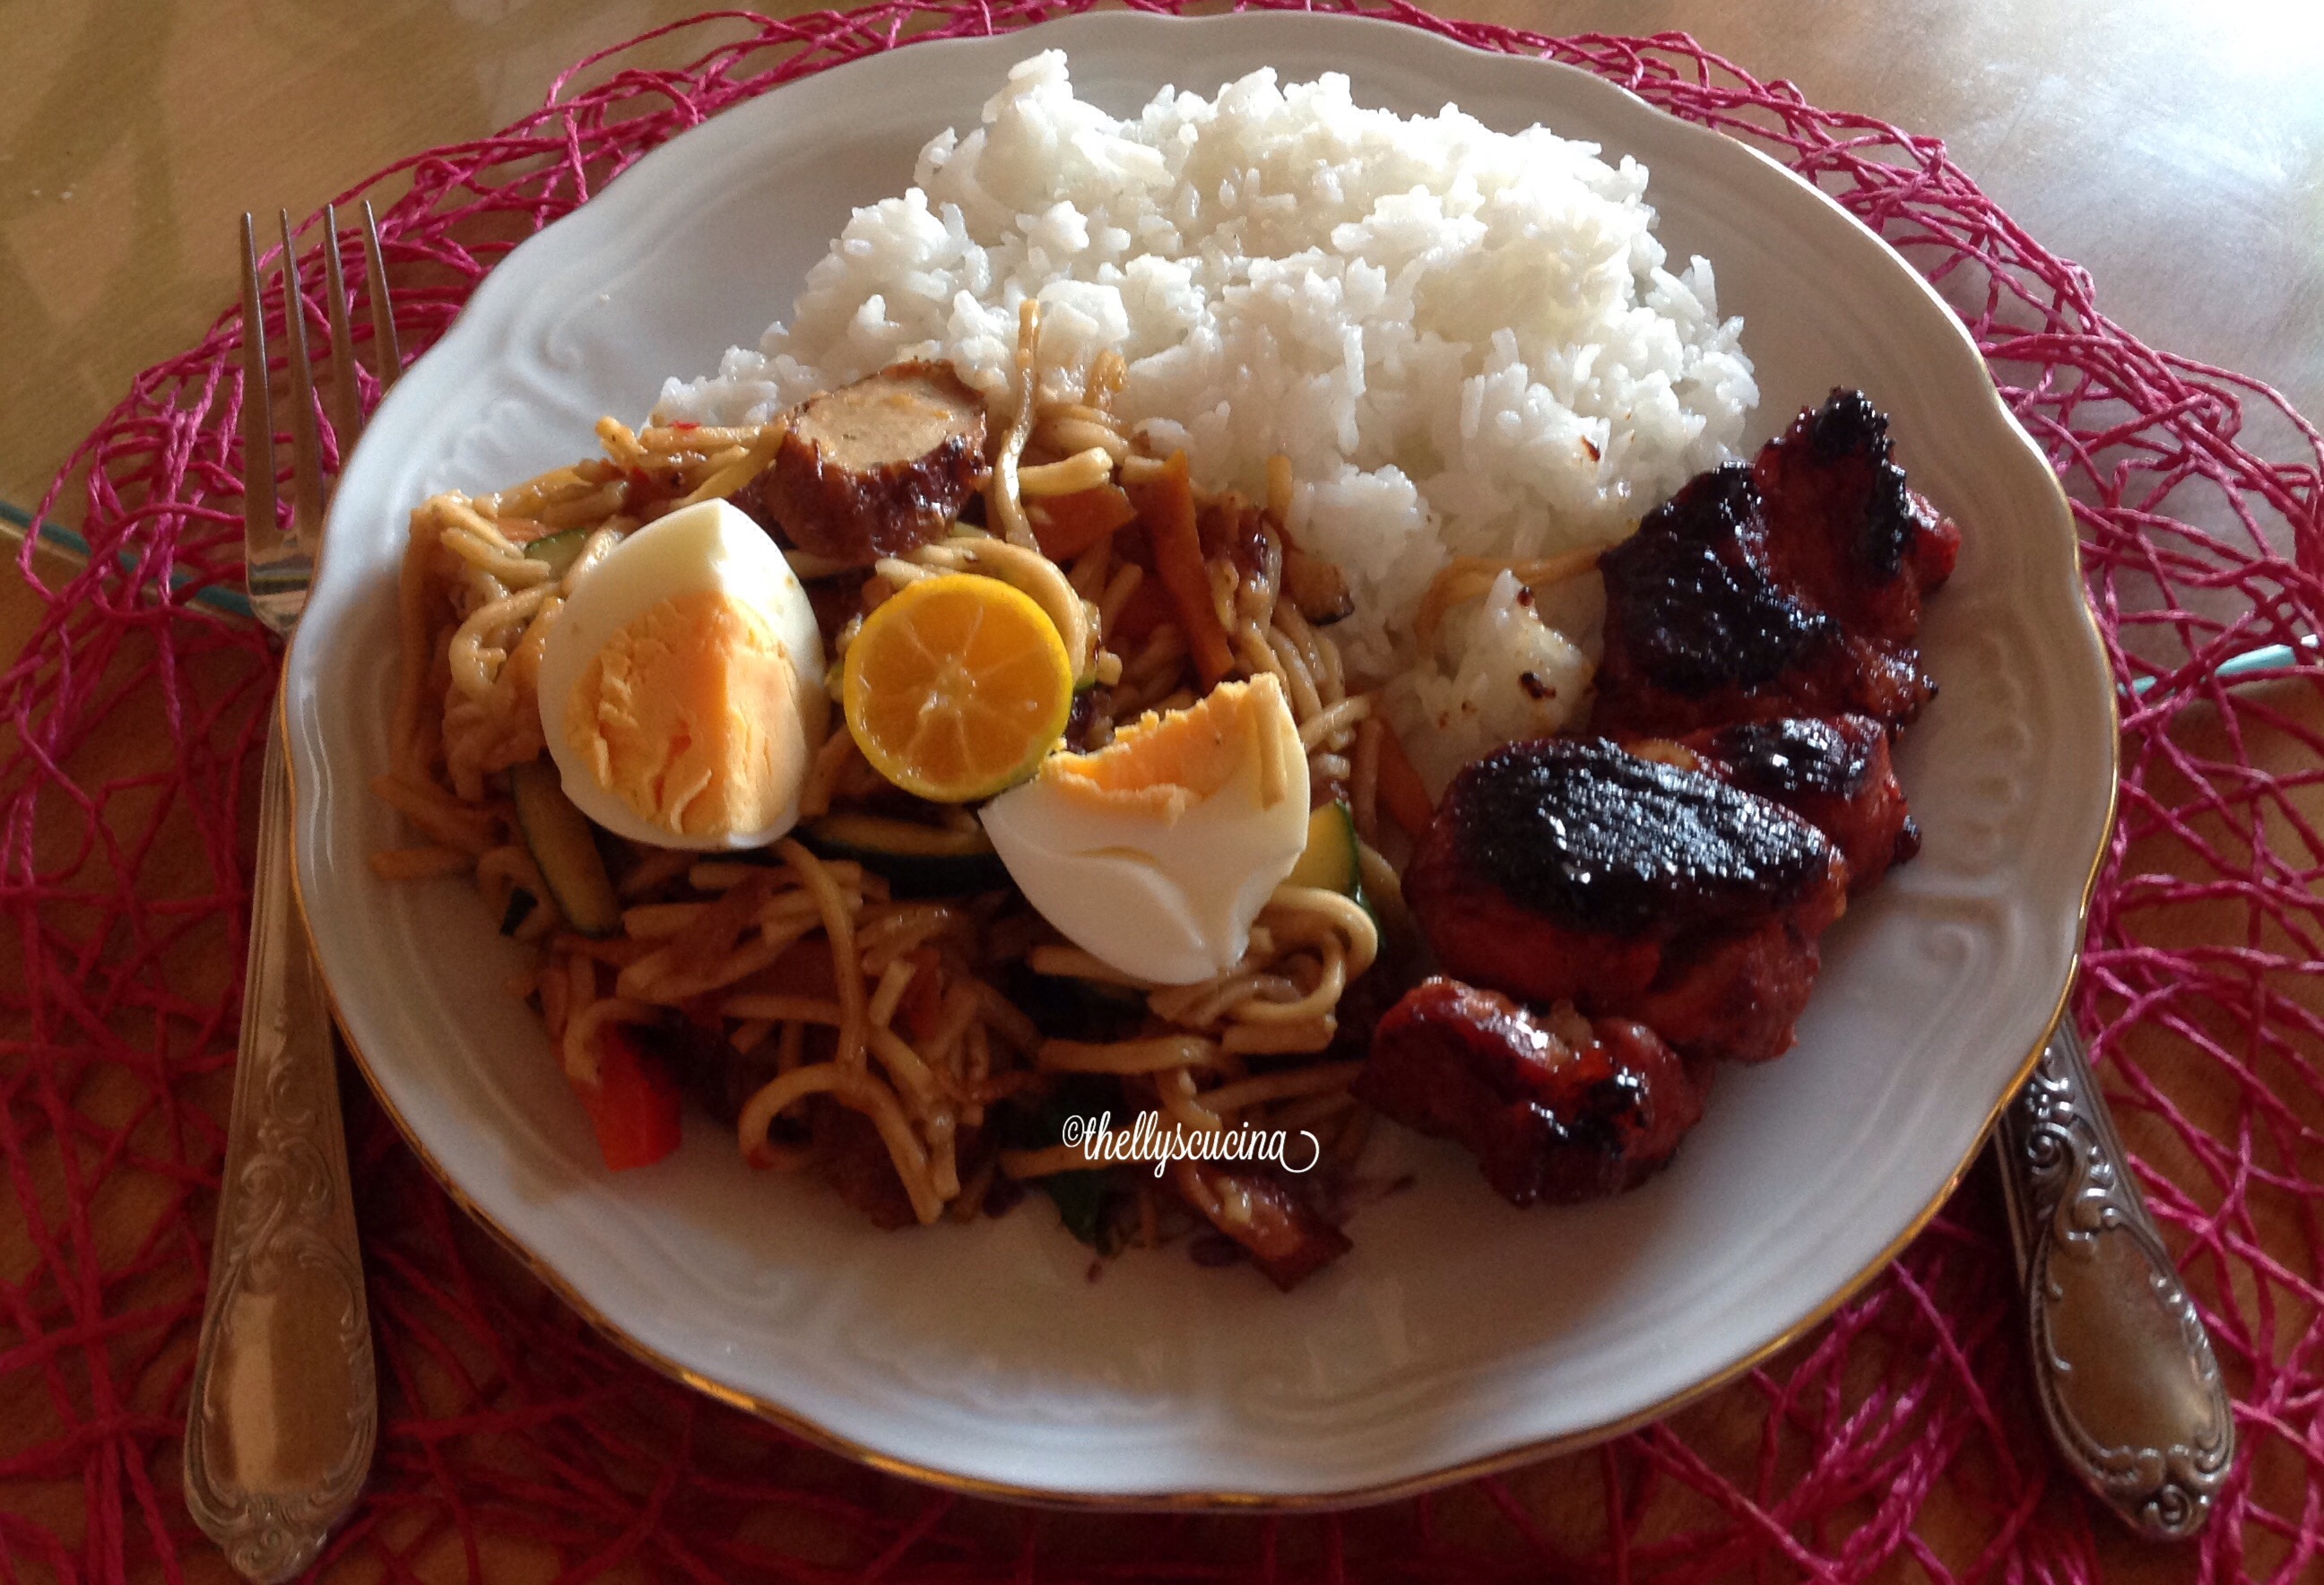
(807, 981)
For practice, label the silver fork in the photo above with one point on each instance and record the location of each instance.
(284, 1410)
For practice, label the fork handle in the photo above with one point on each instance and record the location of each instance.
(285, 1409)
(2123, 1367)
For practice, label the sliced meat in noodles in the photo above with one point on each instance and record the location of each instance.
(876, 468)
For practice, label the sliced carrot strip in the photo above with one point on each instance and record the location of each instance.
(1166, 506)
(1067, 525)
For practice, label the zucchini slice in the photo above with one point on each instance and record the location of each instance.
(1330, 861)
(916, 859)
(564, 845)
(559, 550)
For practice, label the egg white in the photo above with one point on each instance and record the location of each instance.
(1168, 901)
(715, 547)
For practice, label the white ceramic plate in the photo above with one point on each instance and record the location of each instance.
(1460, 1333)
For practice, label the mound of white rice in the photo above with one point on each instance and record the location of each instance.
(1466, 342)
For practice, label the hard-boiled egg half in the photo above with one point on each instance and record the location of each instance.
(1157, 852)
(681, 686)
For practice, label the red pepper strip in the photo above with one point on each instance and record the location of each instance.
(634, 1105)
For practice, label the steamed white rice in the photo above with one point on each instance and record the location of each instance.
(1466, 342)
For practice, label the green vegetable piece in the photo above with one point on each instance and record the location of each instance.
(1086, 1199)
(564, 845)
(1084, 1203)
(916, 859)
(1330, 861)
(557, 550)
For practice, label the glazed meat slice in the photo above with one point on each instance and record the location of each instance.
(1697, 629)
(1569, 869)
(875, 468)
(1834, 773)
(1284, 1236)
(1731, 994)
(1791, 587)
(1844, 529)
(1555, 1106)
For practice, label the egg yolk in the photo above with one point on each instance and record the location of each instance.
(687, 715)
(1165, 764)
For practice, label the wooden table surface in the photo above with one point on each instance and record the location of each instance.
(2174, 149)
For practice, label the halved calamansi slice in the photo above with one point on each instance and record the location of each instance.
(956, 686)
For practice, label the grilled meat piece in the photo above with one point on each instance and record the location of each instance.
(1732, 995)
(1835, 774)
(1282, 1234)
(1791, 587)
(1843, 526)
(1568, 869)
(876, 467)
(1697, 629)
(1556, 1107)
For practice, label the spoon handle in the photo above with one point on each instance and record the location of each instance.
(2123, 1367)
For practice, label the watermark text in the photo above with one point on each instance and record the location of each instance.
(1149, 1139)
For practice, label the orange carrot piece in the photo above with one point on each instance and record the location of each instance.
(1067, 525)
(1402, 792)
(1166, 506)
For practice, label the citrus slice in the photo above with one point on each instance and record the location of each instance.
(956, 686)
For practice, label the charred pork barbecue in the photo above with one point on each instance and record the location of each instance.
(1834, 774)
(1791, 587)
(1641, 904)
(874, 469)
(1661, 916)
(1556, 1107)
(1569, 869)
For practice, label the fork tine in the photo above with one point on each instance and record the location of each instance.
(386, 351)
(306, 450)
(260, 531)
(346, 406)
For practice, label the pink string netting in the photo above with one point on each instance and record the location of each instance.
(1896, 1441)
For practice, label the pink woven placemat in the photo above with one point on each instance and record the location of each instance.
(1895, 1441)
